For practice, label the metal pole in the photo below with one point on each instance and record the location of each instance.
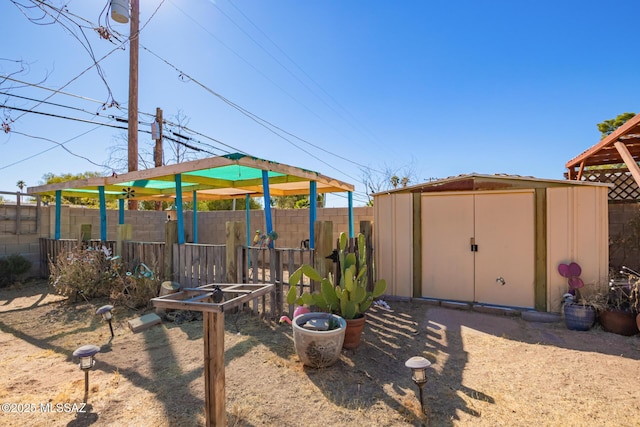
(421, 399)
(86, 385)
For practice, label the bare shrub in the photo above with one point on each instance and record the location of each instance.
(93, 272)
(136, 286)
(86, 271)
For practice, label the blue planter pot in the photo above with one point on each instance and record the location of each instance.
(579, 317)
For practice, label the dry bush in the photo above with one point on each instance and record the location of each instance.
(87, 271)
(136, 287)
(93, 273)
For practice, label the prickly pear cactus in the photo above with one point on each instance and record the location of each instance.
(349, 298)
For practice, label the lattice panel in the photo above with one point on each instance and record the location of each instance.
(625, 186)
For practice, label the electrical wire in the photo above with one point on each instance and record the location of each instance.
(59, 144)
(51, 103)
(353, 121)
(265, 123)
(257, 119)
(51, 90)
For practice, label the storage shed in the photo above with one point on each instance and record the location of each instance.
(491, 239)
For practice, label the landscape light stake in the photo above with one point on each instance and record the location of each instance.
(105, 311)
(419, 367)
(86, 355)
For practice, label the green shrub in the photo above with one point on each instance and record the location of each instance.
(12, 268)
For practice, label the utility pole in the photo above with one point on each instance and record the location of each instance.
(157, 150)
(134, 38)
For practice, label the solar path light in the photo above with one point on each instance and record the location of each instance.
(86, 355)
(419, 367)
(105, 311)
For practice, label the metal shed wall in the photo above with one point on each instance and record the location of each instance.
(578, 231)
(393, 242)
(570, 224)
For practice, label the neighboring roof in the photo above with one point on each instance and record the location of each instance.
(605, 153)
(213, 178)
(479, 182)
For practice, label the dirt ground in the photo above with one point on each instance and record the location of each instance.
(487, 370)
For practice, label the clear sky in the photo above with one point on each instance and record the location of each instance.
(439, 88)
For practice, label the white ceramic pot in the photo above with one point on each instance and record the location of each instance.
(318, 348)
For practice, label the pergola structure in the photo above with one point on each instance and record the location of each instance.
(621, 146)
(214, 178)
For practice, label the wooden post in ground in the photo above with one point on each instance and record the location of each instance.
(170, 237)
(84, 233)
(235, 232)
(324, 246)
(18, 203)
(214, 392)
(125, 234)
(157, 149)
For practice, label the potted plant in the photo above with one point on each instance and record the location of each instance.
(318, 338)
(349, 298)
(621, 311)
(578, 314)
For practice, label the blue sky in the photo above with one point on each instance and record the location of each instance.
(439, 88)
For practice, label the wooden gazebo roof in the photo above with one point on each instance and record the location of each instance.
(621, 146)
(224, 177)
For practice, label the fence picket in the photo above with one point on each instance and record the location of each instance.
(199, 264)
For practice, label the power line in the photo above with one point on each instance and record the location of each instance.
(50, 103)
(48, 149)
(119, 119)
(353, 119)
(259, 120)
(64, 117)
(51, 90)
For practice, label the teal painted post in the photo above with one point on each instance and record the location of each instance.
(58, 206)
(267, 203)
(103, 213)
(121, 211)
(195, 217)
(178, 178)
(313, 196)
(247, 218)
(350, 198)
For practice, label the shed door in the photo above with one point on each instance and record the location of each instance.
(502, 227)
(505, 237)
(447, 262)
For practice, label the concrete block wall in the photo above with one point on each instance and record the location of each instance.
(24, 241)
(624, 235)
(292, 225)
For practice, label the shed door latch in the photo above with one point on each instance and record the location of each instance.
(474, 247)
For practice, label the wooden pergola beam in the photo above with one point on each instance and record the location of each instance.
(629, 161)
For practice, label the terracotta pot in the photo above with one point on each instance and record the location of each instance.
(579, 317)
(353, 333)
(638, 321)
(619, 322)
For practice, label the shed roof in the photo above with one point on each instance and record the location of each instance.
(480, 182)
(213, 178)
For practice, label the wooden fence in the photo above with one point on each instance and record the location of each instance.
(197, 264)
(269, 265)
(50, 249)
